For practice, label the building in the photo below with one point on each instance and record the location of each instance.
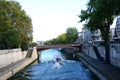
(40, 43)
(112, 33)
(96, 35)
(85, 35)
(117, 28)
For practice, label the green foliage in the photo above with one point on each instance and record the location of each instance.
(15, 26)
(9, 39)
(61, 39)
(71, 34)
(33, 44)
(100, 15)
(69, 37)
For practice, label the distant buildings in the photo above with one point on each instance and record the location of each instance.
(117, 28)
(40, 43)
(96, 35)
(112, 33)
(86, 35)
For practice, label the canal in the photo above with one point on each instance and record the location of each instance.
(47, 69)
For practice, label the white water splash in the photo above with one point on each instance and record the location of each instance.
(57, 65)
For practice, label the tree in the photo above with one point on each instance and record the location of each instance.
(8, 39)
(69, 37)
(33, 44)
(100, 15)
(71, 34)
(62, 38)
(15, 24)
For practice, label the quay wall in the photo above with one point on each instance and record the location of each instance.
(114, 52)
(11, 61)
(10, 56)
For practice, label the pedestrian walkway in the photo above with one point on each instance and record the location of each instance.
(5, 72)
(102, 70)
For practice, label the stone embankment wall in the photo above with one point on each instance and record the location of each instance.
(11, 61)
(8, 57)
(114, 52)
(68, 50)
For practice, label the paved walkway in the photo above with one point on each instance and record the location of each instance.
(10, 67)
(109, 71)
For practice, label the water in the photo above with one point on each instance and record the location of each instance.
(47, 70)
(50, 54)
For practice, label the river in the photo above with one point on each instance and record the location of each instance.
(46, 69)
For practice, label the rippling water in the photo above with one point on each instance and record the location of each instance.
(47, 70)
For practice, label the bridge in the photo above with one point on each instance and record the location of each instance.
(74, 46)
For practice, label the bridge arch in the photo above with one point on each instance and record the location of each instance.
(77, 47)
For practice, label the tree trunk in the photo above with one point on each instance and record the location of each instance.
(107, 47)
(99, 57)
(107, 53)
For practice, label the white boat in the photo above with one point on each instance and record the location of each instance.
(57, 59)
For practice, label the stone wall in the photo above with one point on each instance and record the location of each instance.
(14, 60)
(10, 56)
(114, 52)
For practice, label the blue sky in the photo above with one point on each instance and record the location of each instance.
(51, 18)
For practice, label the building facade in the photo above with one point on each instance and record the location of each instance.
(112, 33)
(96, 35)
(117, 28)
(40, 43)
(85, 35)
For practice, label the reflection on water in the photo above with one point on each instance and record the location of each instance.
(49, 70)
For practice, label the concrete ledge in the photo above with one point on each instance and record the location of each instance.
(10, 70)
(101, 70)
(10, 56)
(15, 61)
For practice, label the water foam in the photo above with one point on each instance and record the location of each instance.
(57, 65)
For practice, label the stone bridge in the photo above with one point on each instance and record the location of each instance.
(78, 47)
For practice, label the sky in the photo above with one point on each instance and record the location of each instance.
(50, 18)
